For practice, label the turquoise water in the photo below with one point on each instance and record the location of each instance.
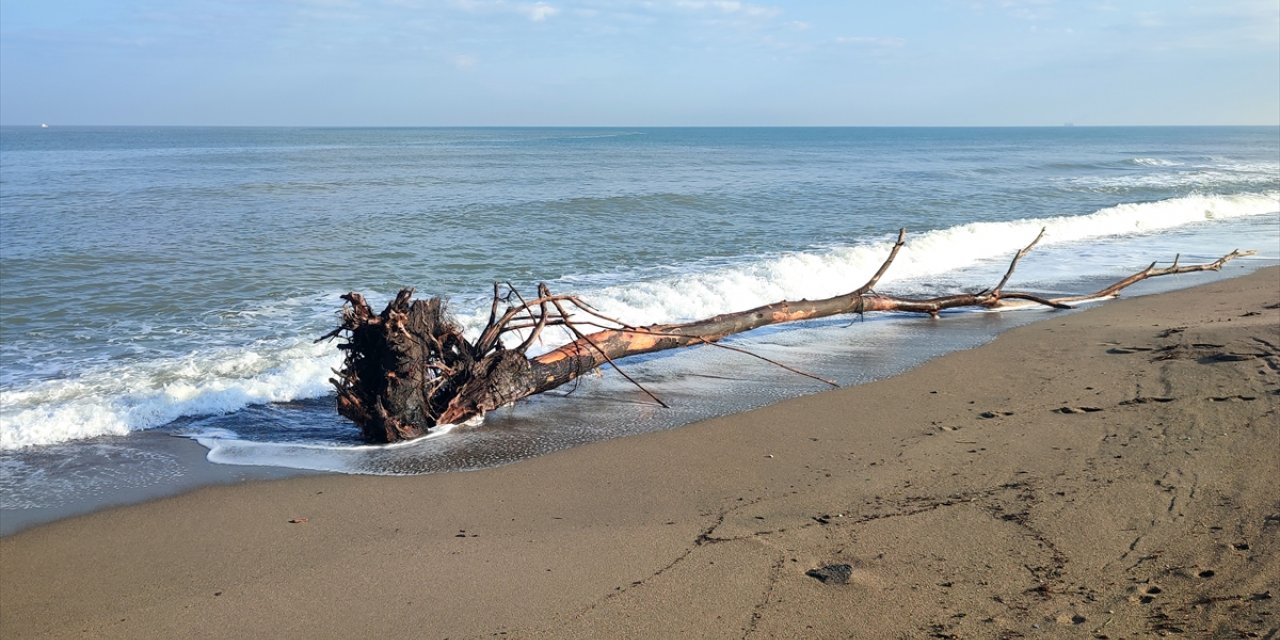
(172, 280)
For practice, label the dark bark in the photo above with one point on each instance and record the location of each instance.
(410, 368)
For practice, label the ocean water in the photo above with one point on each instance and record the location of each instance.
(161, 289)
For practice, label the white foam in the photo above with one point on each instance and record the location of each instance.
(1221, 175)
(1201, 180)
(119, 398)
(821, 274)
(226, 448)
(1154, 162)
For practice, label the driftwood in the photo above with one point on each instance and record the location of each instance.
(410, 367)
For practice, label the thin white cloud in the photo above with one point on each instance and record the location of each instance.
(538, 11)
(464, 62)
(534, 11)
(1149, 20)
(1031, 10)
(1222, 26)
(879, 42)
(733, 7)
(325, 3)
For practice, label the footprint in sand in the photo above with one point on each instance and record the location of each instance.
(1127, 350)
(987, 415)
(832, 574)
(1071, 619)
(1146, 399)
(1077, 409)
(1232, 398)
(1146, 594)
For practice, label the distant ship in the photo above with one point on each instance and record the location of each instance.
(44, 126)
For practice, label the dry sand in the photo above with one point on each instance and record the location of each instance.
(1107, 474)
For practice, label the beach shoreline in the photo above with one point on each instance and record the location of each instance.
(113, 471)
(163, 465)
(1109, 471)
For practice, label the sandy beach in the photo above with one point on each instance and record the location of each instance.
(1113, 473)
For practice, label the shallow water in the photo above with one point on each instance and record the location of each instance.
(171, 281)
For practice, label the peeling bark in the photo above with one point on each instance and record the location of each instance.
(410, 368)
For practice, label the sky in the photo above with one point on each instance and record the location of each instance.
(639, 62)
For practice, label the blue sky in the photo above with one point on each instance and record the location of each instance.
(639, 62)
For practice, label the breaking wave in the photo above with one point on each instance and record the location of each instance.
(114, 399)
(1154, 162)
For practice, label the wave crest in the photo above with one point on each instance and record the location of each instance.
(120, 398)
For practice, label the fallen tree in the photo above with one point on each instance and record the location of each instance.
(410, 367)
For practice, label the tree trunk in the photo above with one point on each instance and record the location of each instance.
(410, 368)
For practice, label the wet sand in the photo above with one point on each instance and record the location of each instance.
(1112, 473)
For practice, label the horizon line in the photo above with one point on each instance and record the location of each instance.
(1065, 125)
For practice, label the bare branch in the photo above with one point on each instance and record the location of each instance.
(604, 353)
(1013, 265)
(893, 253)
(1152, 272)
(537, 328)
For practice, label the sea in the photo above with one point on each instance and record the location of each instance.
(162, 289)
